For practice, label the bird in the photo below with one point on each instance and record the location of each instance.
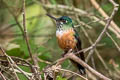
(68, 39)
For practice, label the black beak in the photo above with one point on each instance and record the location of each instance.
(52, 17)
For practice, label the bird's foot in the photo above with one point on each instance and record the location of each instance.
(66, 52)
(63, 54)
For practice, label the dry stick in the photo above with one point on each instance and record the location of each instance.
(37, 66)
(7, 73)
(78, 60)
(23, 72)
(117, 46)
(71, 56)
(10, 62)
(96, 51)
(80, 12)
(25, 32)
(93, 62)
(73, 73)
(45, 77)
(102, 33)
(91, 42)
(27, 42)
(47, 62)
(2, 76)
(83, 24)
(85, 32)
(102, 12)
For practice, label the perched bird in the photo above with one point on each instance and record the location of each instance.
(68, 38)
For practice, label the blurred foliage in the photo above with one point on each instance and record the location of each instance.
(41, 31)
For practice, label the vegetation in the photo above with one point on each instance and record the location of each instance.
(28, 45)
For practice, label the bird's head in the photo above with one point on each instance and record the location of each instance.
(63, 22)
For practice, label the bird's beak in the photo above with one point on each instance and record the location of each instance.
(52, 17)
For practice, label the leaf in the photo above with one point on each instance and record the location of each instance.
(21, 77)
(15, 52)
(60, 78)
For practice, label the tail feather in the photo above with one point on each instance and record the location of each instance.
(81, 69)
(80, 55)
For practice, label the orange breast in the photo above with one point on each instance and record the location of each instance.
(67, 40)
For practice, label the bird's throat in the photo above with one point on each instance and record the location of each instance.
(61, 32)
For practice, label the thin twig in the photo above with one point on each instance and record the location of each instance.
(25, 32)
(78, 12)
(23, 72)
(10, 62)
(37, 76)
(2, 76)
(78, 60)
(104, 30)
(93, 62)
(65, 70)
(116, 45)
(91, 42)
(102, 12)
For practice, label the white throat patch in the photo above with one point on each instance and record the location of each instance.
(59, 33)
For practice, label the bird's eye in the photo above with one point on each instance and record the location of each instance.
(64, 21)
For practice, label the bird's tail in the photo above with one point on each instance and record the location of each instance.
(80, 67)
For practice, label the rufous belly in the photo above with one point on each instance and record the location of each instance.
(67, 40)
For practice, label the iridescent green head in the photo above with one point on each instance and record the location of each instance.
(63, 22)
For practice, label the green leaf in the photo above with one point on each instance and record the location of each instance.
(42, 65)
(60, 78)
(21, 77)
(15, 52)
(45, 56)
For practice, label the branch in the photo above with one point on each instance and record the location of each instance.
(2, 76)
(78, 60)
(12, 64)
(116, 45)
(35, 70)
(103, 32)
(25, 32)
(72, 73)
(91, 42)
(78, 12)
(102, 12)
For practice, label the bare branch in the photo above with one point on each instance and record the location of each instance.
(80, 12)
(37, 76)
(78, 60)
(2, 76)
(104, 30)
(117, 46)
(11, 62)
(25, 32)
(73, 73)
(102, 12)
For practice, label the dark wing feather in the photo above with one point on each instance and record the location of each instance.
(80, 55)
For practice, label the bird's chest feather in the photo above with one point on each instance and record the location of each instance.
(66, 39)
